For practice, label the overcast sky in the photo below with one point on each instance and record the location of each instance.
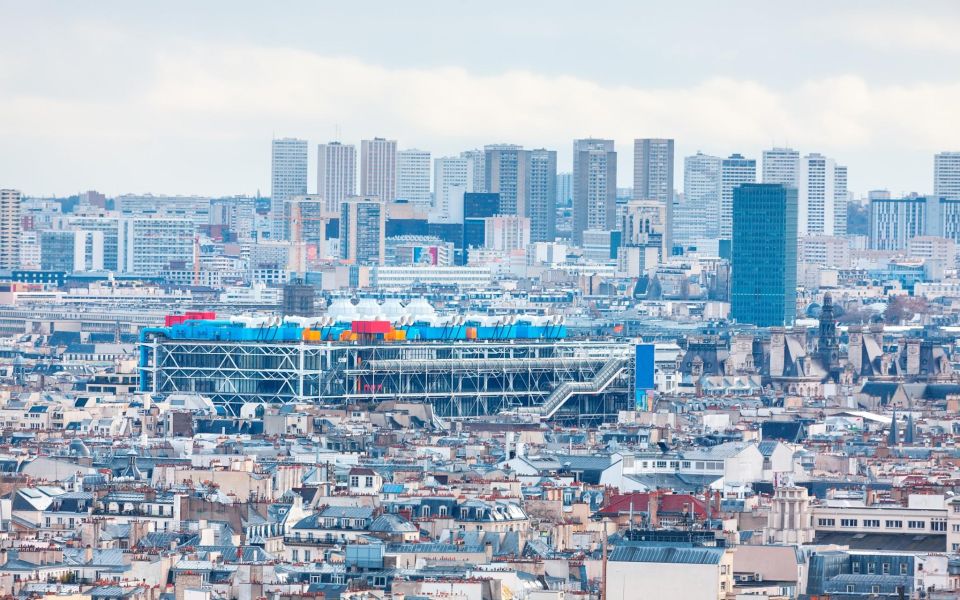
(184, 97)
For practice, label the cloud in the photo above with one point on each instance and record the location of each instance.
(895, 32)
(231, 98)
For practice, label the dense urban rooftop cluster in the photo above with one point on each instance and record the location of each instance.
(475, 378)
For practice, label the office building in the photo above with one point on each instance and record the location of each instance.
(9, 229)
(697, 216)
(653, 175)
(336, 173)
(363, 225)
(782, 165)
(734, 171)
(841, 200)
(288, 177)
(71, 251)
(147, 246)
(764, 281)
(378, 169)
(946, 175)
(542, 208)
(507, 173)
(413, 177)
(594, 186)
(478, 207)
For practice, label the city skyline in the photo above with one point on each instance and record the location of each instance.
(191, 111)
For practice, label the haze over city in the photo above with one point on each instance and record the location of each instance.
(184, 98)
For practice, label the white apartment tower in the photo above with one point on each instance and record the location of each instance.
(698, 216)
(781, 165)
(9, 229)
(734, 172)
(453, 176)
(821, 197)
(413, 176)
(946, 175)
(336, 173)
(288, 177)
(653, 176)
(378, 169)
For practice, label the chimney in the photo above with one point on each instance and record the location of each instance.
(3, 557)
(88, 554)
(653, 502)
(488, 550)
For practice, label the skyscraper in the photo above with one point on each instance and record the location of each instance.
(946, 175)
(478, 167)
(564, 189)
(698, 215)
(817, 196)
(288, 177)
(734, 171)
(594, 186)
(453, 176)
(363, 226)
(378, 168)
(9, 229)
(841, 199)
(507, 168)
(413, 176)
(764, 286)
(336, 173)
(653, 175)
(782, 165)
(542, 208)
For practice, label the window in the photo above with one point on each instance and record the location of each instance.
(871, 523)
(855, 567)
(916, 525)
(875, 589)
(871, 568)
(369, 482)
(851, 588)
(306, 555)
(674, 464)
(826, 522)
(296, 555)
(661, 464)
(938, 525)
(903, 568)
(442, 511)
(316, 579)
(354, 481)
(686, 464)
(848, 522)
(886, 568)
(894, 524)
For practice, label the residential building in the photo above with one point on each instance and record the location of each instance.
(363, 224)
(946, 175)
(378, 169)
(542, 207)
(10, 229)
(698, 216)
(653, 176)
(336, 173)
(781, 165)
(413, 176)
(507, 168)
(818, 210)
(288, 177)
(146, 246)
(734, 171)
(594, 186)
(506, 233)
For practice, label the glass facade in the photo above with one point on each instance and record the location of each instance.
(764, 255)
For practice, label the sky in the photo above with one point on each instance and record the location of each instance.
(180, 97)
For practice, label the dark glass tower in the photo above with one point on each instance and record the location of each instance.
(764, 255)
